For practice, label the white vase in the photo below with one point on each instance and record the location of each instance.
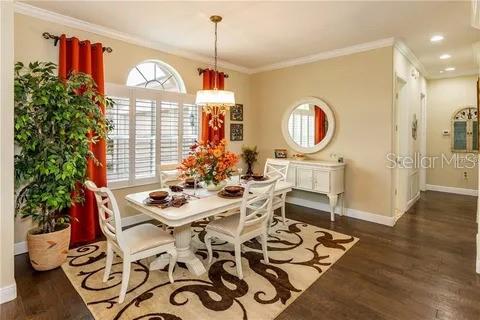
(210, 186)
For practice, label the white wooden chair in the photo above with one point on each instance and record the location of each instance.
(167, 176)
(250, 222)
(275, 168)
(132, 244)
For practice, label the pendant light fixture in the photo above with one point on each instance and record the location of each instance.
(215, 102)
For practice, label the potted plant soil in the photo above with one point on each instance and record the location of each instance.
(249, 155)
(55, 123)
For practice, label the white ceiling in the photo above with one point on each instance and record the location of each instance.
(255, 35)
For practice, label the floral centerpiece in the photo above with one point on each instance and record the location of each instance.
(210, 163)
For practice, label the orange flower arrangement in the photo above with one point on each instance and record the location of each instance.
(211, 163)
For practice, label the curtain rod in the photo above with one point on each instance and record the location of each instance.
(201, 71)
(48, 36)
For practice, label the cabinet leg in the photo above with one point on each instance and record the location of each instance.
(342, 212)
(333, 204)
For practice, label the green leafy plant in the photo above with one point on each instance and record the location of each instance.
(55, 123)
(250, 156)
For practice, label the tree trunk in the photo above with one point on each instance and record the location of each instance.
(249, 170)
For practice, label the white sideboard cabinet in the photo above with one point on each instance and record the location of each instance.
(325, 177)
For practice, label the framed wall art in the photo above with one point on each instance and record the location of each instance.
(236, 112)
(236, 132)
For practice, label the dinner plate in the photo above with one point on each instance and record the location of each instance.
(226, 195)
(150, 201)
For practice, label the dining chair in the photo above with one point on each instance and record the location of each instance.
(133, 244)
(167, 176)
(275, 168)
(250, 222)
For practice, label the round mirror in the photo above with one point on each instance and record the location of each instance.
(308, 125)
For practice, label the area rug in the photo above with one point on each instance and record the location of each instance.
(299, 254)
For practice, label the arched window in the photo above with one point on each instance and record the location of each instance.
(465, 130)
(155, 74)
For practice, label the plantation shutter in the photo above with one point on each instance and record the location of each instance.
(118, 141)
(145, 118)
(169, 133)
(190, 127)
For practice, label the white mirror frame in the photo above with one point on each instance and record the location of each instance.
(331, 125)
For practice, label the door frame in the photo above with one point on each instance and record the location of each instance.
(398, 115)
(423, 140)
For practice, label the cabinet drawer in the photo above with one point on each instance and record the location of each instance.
(321, 181)
(304, 178)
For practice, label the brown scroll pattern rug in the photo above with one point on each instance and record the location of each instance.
(299, 254)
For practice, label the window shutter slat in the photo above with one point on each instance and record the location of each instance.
(169, 119)
(118, 141)
(145, 117)
(190, 127)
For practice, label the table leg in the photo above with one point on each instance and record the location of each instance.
(183, 237)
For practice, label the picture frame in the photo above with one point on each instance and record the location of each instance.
(236, 112)
(236, 132)
(280, 153)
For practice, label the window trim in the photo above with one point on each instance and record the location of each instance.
(133, 94)
(165, 65)
(469, 123)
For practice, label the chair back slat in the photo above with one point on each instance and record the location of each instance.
(276, 168)
(256, 204)
(108, 213)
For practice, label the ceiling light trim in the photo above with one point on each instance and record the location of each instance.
(367, 46)
(68, 21)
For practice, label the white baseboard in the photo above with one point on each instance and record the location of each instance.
(21, 247)
(412, 202)
(468, 192)
(349, 212)
(8, 293)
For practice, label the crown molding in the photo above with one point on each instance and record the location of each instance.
(367, 46)
(405, 50)
(71, 22)
(475, 18)
(449, 75)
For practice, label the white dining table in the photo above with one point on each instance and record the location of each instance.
(205, 204)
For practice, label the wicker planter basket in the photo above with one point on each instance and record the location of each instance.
(48, 250)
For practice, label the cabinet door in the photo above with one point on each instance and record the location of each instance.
(305, 178)
(321, 181)
(291, 176)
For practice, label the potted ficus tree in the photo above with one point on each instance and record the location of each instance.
(249, 155)
(55, 123)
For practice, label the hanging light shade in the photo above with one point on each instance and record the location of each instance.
(215, 97)
(215, 102)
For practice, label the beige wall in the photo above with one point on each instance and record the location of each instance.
(30, 46)
(358, 87)
(7, 281)
(444, 97)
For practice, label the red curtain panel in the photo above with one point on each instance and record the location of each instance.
(82, 56)
(208, 133)
(319, 124)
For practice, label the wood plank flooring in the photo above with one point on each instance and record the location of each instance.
(423, 268)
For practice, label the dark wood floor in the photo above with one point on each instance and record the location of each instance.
(423, 268)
